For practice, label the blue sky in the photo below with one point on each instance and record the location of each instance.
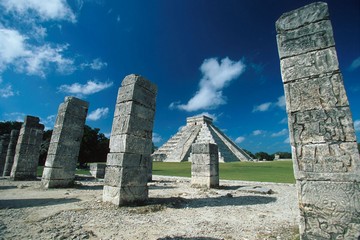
(206, 56)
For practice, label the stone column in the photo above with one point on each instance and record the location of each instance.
(205, 165)
(322, 136)
(14, 135)
(126, 173)
(27, 150)
(4, 143)
(63, 153)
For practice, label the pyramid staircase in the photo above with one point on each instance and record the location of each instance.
(199, 129)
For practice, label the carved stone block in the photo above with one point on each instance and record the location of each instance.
(302, 16)
(311, 64)
(319, 93)
(320, 126)
(305, 39)
(329, 210)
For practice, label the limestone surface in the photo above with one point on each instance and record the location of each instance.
(60, 165)
(27, 150)
(128, 163)
(97, 170)
(4, 143)
(205, 165)
(14, 135)
(325, 155)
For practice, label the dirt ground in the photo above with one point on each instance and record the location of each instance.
(236, 210)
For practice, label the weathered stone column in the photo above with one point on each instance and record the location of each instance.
(126, 173)
(27, 150)
(205, 165)
(10, 154)
(97, 170)
(325, 154)
(60, 165)
(4, 143)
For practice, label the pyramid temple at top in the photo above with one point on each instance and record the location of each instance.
(199, 129)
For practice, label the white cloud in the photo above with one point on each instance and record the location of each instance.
(15, 116)
(90, 87)
(283, 132)
(49, 122)
(12, 46)
(6, 92)
(216, 76)
(30, 59)
(156, 138)
(258, 132)
(357, 125)
(284, 121)
(97, 114)
(239, 139)
(96, 64)
(39, 59)
(44, 10)
(355, 64)
(262, 107)
(281, 103)
(287, 140)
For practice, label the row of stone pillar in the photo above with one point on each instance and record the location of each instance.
(19, 151)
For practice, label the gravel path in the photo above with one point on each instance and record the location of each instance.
(237, 210)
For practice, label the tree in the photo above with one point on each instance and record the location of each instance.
(263, 155)
(282, 155)
(94, 146)
(249, 153)
(45, 147)
(6, 127)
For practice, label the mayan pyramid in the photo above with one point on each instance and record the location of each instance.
(199, 129)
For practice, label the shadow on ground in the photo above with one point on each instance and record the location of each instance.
(34, 202)
(192, 238)
(179, 202)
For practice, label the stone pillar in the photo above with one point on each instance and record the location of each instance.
(325, 155)
(4, 143)
(60, 165)
(27, 150)
(126, 173)
(14, 135)
(205, 165)
(97, 170)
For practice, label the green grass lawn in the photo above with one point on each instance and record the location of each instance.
(276, 171)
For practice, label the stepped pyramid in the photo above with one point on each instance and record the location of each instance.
(199, 129)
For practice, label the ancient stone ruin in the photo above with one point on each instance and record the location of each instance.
(205, 165)
(27, 149)
(126, 173)
(10, 154)
(199, 129)
(60, 165)
(97, 170)
(4, 142)
(325, 154)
